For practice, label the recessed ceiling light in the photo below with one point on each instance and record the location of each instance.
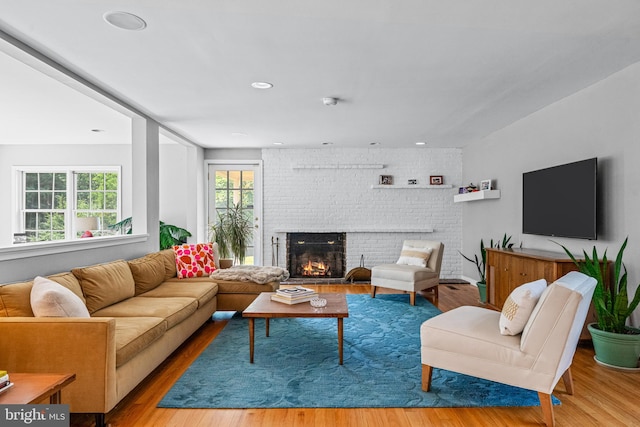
(278, 143)
(261, 85)
(125, 21)
(421, 143)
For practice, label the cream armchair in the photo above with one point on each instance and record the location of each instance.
(468, 340)
(408, 274)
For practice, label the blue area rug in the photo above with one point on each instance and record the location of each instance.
(297, 366)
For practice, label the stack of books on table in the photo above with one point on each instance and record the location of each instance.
(293, 295)
(5, 384)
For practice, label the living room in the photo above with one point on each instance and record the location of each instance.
(310, 188)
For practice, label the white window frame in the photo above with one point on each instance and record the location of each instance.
(18, 172)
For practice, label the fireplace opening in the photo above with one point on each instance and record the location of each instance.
(316, 255)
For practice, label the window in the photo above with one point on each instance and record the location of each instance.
(59, 204)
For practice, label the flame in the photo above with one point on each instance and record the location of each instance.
(314, 269)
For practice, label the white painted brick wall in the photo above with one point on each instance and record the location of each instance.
(341, 199)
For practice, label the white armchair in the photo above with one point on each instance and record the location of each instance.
(468, 340)
(418, 268)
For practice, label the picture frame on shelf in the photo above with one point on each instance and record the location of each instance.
(386, 180)
(485, 184)
(436, 180)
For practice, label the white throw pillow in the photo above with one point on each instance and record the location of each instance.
(519, 305)
(51, 299)
(414, 256)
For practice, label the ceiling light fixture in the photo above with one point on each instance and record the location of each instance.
(97, 130)
(327, 143)
(329, 101)
(374, 143)
(421, 143)
(278, 143)
(125, 21)
(261, 85)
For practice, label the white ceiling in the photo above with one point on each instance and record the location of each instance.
(448, 72)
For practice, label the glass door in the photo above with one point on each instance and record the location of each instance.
(237, 186)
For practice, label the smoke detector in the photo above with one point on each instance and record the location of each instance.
(329, 101)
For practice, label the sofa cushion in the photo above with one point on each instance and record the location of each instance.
(105, 284)
(519, 305)
(202, 291)
(69, 281)
(411, 255)
(232, 287)
(134, 334)
(15, 300)
(147, 271)
(50, 299)
(194, 260)
(173, 309)
(169, 258)
(402, 272)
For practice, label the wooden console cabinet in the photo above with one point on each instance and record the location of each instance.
(509, 268)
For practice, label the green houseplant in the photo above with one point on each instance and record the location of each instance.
(481, 261)
(233, 232)
(614, 342)
(170, 235)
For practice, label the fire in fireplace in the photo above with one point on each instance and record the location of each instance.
(316, 255)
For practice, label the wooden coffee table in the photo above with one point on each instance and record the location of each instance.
(263, 307)
(33, 388)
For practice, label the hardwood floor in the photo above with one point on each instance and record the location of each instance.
(603, 397)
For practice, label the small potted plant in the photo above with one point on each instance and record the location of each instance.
(233, 232)
(480, 265)
(615, 343)
(481, 262)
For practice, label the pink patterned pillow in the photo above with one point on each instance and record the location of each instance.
(194, 260)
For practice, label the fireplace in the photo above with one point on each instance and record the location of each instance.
(316, 255)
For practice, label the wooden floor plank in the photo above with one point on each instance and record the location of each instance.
(602, 396)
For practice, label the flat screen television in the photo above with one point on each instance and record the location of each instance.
(561, 200)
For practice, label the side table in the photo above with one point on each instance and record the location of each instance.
(32, 388)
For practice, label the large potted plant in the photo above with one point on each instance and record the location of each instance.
(481, 261)
(614, 342)
(233, 232)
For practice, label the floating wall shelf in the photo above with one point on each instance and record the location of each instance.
(413, 187)
(477, 195)
(340, 166)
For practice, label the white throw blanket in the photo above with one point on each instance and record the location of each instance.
(251, 273)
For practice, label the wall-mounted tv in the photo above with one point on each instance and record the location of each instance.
(561, 200)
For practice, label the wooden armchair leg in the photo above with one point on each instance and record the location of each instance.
(373, 291)
(426, 377)
(412, 298)
(567, 378)
(547, 409)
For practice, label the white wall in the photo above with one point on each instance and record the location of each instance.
(341, 199)
(63, 155)
(176, 206)
(599, 121)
